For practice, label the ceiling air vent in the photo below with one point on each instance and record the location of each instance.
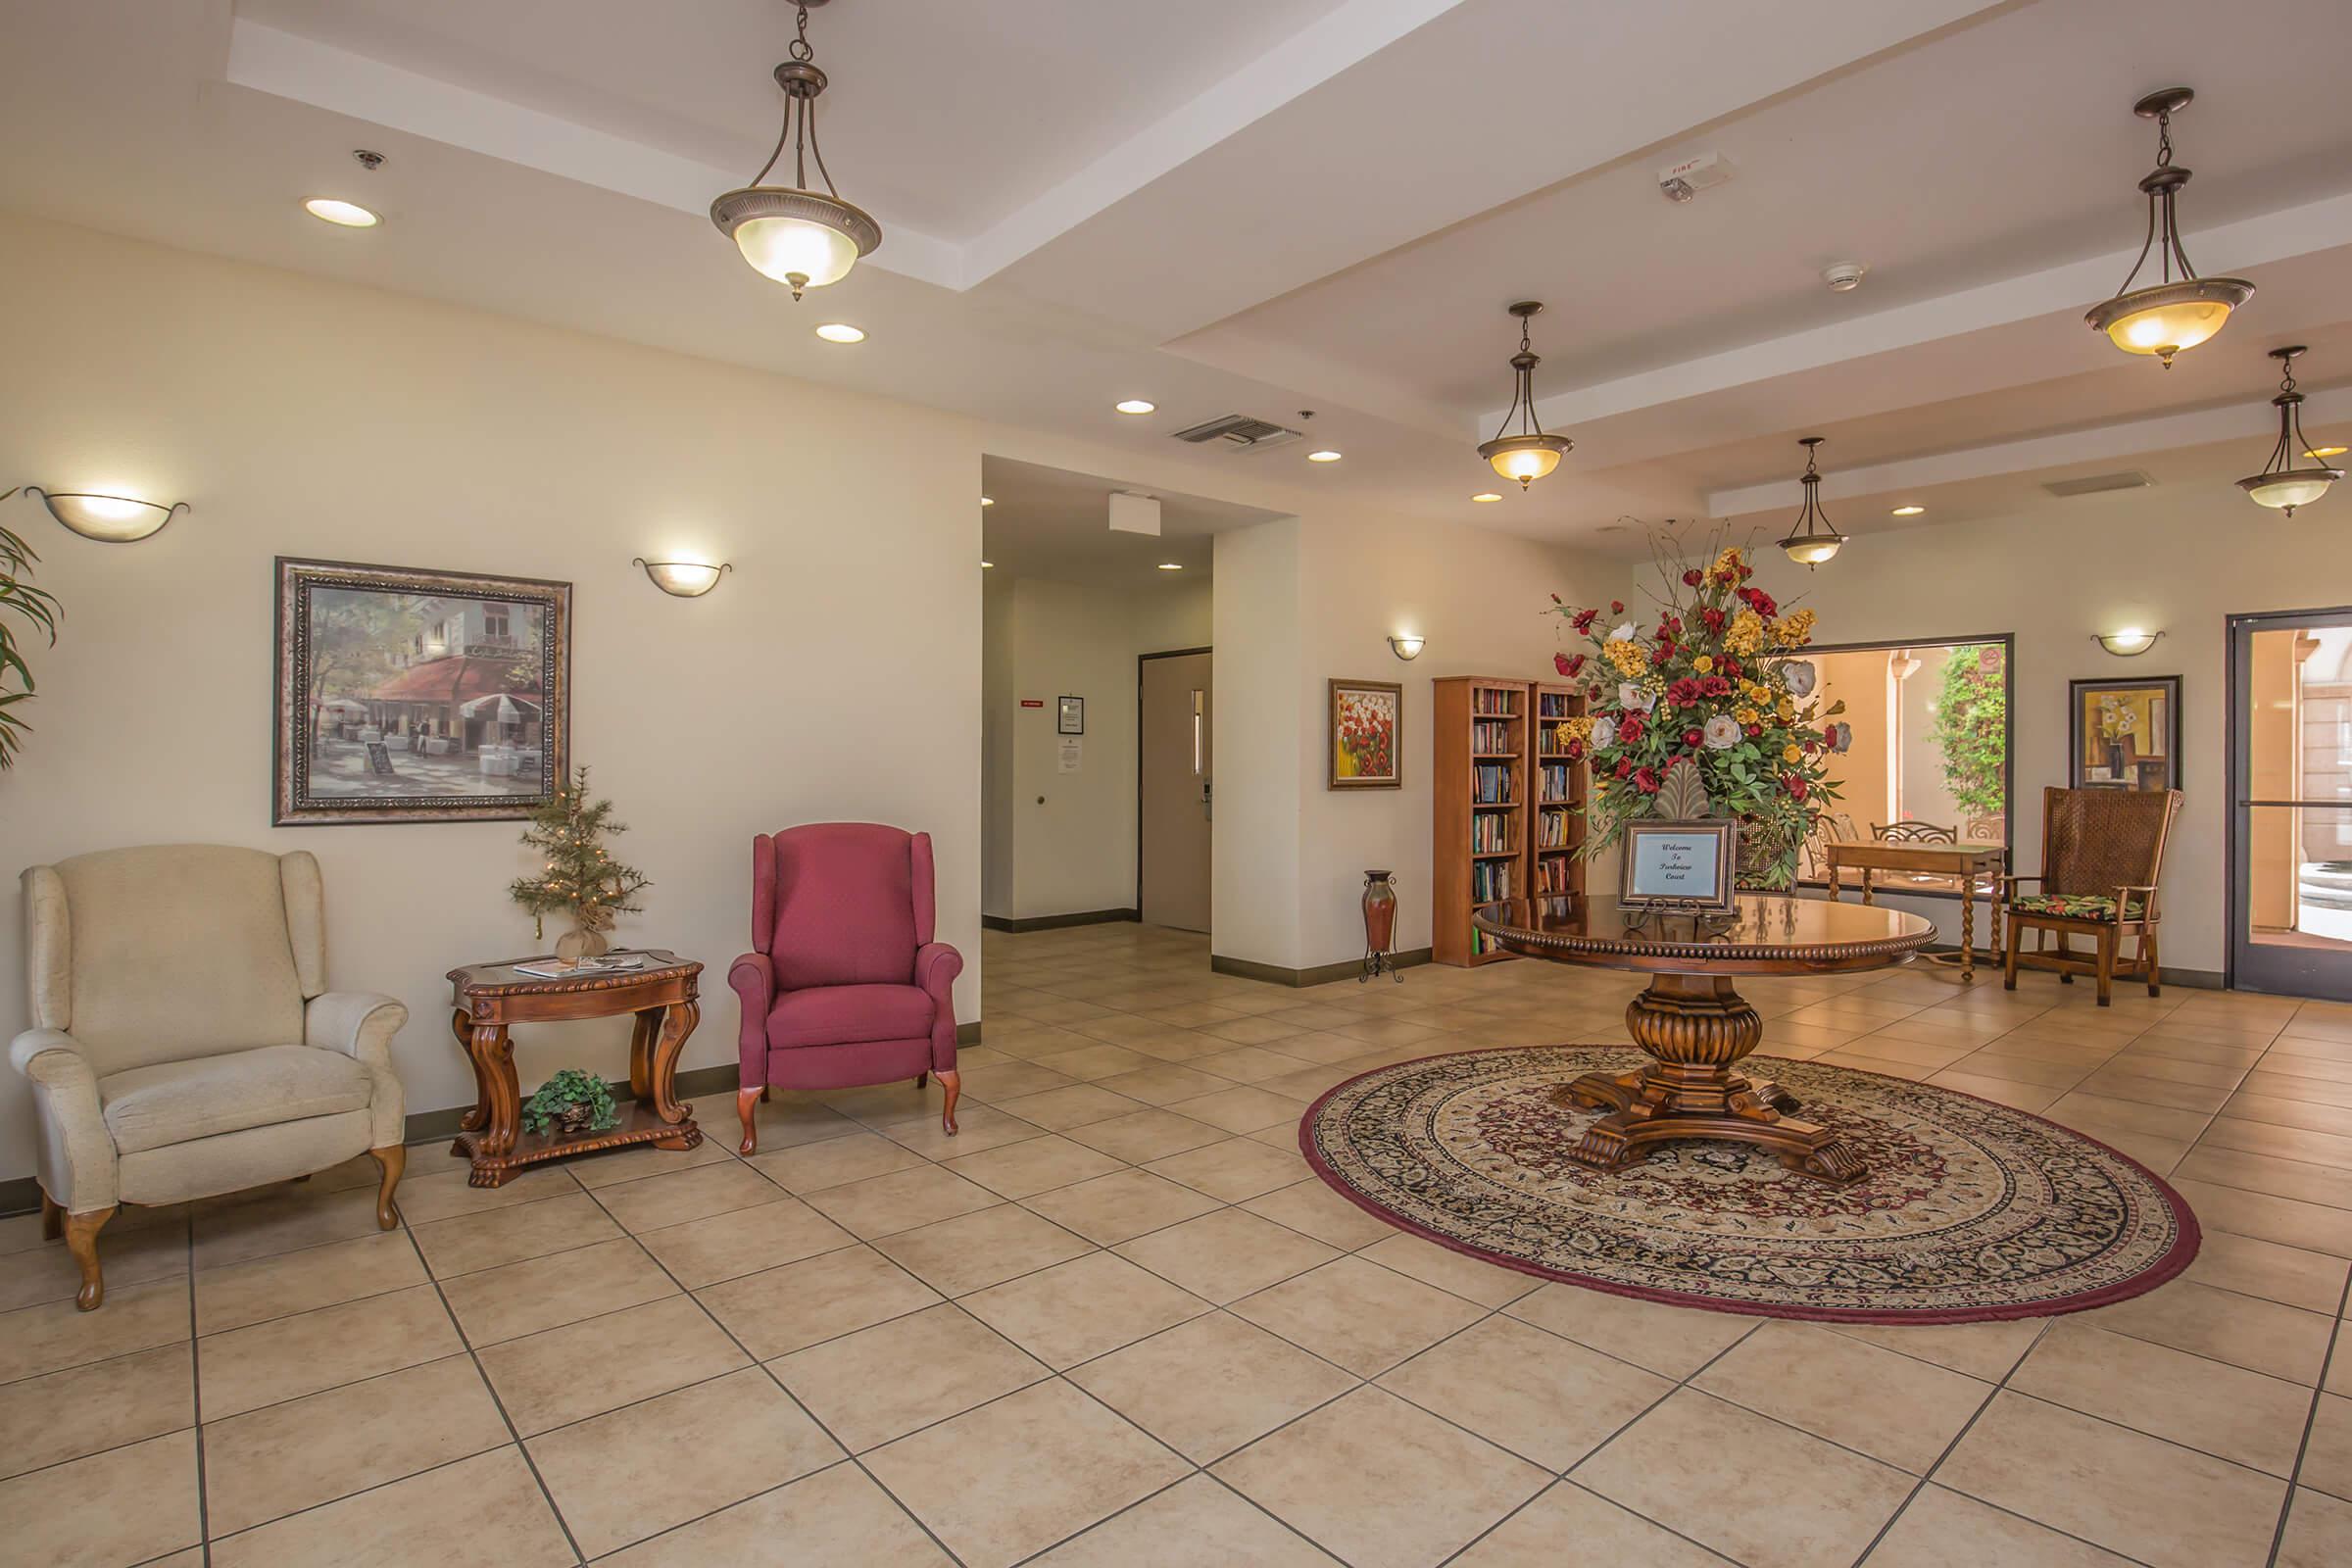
(1238, 431)
(2100, 483)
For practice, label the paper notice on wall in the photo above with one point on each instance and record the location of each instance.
(1074, 752)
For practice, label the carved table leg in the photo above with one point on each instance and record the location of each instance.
(493, 1056)
(662, 1087)
(1694, 1028)
(81, 1240)
(460, 1024)
(1968, 926)
(645, 1028)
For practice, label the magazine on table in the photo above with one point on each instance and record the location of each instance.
(602, 963)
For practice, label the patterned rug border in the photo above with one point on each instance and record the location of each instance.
(2183, 1251)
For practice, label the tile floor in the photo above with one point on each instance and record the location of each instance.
(1116, 1322)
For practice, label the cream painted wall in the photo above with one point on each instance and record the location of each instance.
(2181, 558)
(1075, 851)
(1255, 869)
(834, 674)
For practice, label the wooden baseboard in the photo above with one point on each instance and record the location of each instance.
(1054, 923)
(1321, 974)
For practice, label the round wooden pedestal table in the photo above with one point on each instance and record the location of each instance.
(1692, 1023)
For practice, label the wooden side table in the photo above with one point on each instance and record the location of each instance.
(489, 997)
(1967, 859)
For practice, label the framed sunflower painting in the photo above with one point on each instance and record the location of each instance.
(2126, 733)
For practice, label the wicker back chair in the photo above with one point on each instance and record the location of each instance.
(2102, 851)
(1911, 832)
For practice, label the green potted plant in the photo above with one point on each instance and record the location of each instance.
(571, 1102)
(29, 604)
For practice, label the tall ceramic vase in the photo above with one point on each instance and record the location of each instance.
(1380, 925)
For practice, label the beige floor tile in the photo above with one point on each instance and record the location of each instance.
(56, 1335)
(1008, 1079)
(47, 1273)
(2262, 1173)
(1249, 1064)
(1226, 1254)
(1358, 1315)
(884, 1382)
(1941, 1529)
(1033, 1165)
(276, 1219)
(1145, 1135)
(1380, 1483)
(545, 1293)
(1015, 1476)
(286, 1283)
(1672, 1341)
(486, 1510)
(2225, 1410)
(1471, 1278)
(1313, 1208)
(1194, 1523)
(743, 1240)
(87, 1409)
(428, 1194)
(836, 1518)
(1602, 1533)
(1206, 1387)
(2319, 1532)
(978, 1127)
(2327, 1457)
(788, 1120)
(1983, 1350)
(2288, 1221)
(674, 1197)
(1240, 1109)
(2118, 1081)
(1089, 1062)
(109, 1510)
(641, 1469)
(2241, 1330)
(1075, 1311)
(1062, 1109)
(1547, 1400)
(782, 1309)
(1164, 1082)
(834, 1162)
(471, 1242)
(288, 1357)
(2025, 1097)
(984, 1247)
(2313, 1281)
(1896, 1409)
(882, 1205)
(1111, 1208)
(2128, 1492)
(1232, 1170)
(1792, 1501)
(558, 1376)
(268, 1463)
(639, 1162)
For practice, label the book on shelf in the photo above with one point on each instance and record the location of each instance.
(1491, 785)
(1491, 880)
(1552, 874)
(1489, 833)
(1552, 829)
(1554, 787)
(1552, 705)
(1492, 735)
(1487, 701)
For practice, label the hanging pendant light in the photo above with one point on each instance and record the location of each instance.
(2171, 314)
(1530, 453)
(801, 237)
(2280, 486)
(1813, 541)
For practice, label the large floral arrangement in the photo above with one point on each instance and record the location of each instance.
(1713, 683)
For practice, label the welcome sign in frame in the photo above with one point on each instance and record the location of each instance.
(1680, 865)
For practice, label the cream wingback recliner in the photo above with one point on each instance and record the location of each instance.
(184, 1042)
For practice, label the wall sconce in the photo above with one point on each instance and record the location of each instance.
(2128, 643)
(109, 519)
(1407, 649)
(684, 579)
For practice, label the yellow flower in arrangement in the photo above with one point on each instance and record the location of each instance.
(1729, 561)
(1786, 710)
(1703, 664)
(1794, 630)
(1627, 657)
(1578, 729)
(1792, 754)
(1745, 715)
(1745, 634)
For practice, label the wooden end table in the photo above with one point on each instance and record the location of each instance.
(1966, 859)
(490, 997)
(1692, 1022)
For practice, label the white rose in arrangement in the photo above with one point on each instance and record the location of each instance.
(1721, 732)
(1604, 732)
(1802, 678)
(1841, 736)
(1623, 634)
(1635, 696)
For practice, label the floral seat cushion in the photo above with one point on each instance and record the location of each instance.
(2073, 905)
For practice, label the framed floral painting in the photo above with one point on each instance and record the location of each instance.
(1367, 735)
(2126, 734)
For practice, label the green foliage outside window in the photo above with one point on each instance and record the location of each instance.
(1972, 726)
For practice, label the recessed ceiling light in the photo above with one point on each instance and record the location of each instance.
(1486, 496)
(1171, 565)
(350, 215)
(1908, 512)
(1134, 406)
(2328, 452)
(985, 565)
(841, 332)
(1324, 456)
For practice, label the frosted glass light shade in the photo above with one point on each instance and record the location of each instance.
(1812, 550)
(2289, 488)
(684, 579)
(109, 519)
(2172, 317)
(1524, 458)
(795, 251)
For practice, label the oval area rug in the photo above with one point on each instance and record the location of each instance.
(1971, 1211)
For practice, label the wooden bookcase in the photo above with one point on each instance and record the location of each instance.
(1490, 803)
(1557, 827)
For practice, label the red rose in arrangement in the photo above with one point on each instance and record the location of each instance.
(1625, 765)
(1629, 729)
(1583, 619)
(1794, 785)
(1575, 752)
(1645, 781)
(1616, 607)
(1663, 653)
(1692, 579)
(1754, 731)
(1683, 693)
(1691, 738)
(1729, 665)
(1573, 664)
(1747, 573)
(1713, 619)
(1559, 661)
(1715, 686)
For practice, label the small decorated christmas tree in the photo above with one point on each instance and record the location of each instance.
(579, 876)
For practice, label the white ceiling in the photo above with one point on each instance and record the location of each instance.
(1304, 204)
(1049, 522)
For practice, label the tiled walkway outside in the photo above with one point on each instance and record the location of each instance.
(1118, 1323)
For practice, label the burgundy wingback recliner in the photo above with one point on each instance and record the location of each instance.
(845, 986)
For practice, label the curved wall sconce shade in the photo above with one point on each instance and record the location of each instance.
(683, 580)
(1407, 649)
(2129, 643)
(109, 519)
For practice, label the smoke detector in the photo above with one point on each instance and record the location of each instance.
(1843, 276)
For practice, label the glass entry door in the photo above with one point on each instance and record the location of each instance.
(2290, 776)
